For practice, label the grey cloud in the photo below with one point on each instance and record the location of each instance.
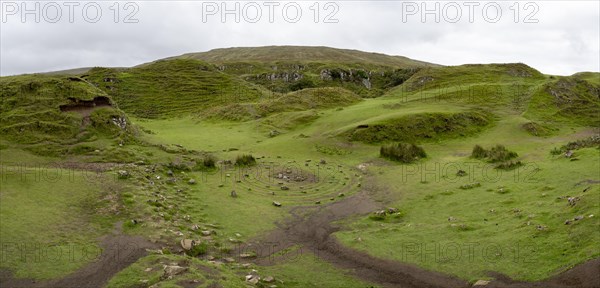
(565, 41)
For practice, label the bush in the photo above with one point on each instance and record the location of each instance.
(245, 160)
(209, 161)
(402, 152)
(498, 153)
(479, 152)
(198, 249)
(510, 165)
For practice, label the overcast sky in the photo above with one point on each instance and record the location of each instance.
(555, 37)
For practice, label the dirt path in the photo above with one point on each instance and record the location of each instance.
(311, 229)
(118, 252)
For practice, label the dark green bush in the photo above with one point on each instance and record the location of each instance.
(198, 249)
(402, 152)
(209, 161)
(479, 152)
(245, 160)
(498, 153)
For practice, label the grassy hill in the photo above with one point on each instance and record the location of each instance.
(163, 140)
(302, 54)
(289, 68)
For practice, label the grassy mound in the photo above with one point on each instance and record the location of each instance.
(567, 99)
(537, 129)
(306, 99)
(438, 77)
(419, 127)
(31, 106)
(172, 88)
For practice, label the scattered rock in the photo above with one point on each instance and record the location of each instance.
(123, 174)
(392, 210)
(481, 283)
(206, 232)
(195, 227)
(187, 244)
(567, 222)
(276, 204)
(170, 173)
(192, 181)
(285, 188)
(172, 270)
(268, 279)
(578, 217)
(573, 200)
(229, 260)
(247, 255)
(569, 154)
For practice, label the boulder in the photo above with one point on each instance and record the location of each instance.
(187, 244)
(172, 270)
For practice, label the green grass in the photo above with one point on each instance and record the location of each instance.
(205, 274)
(45, 211)
(220, 105)
(171, 88)
(519, 200)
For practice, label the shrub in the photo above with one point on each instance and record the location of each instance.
(510, 165)
(478, 152)
(498, 153)
(402, 152)
(198, 249)
(209, 161)
(245, 160)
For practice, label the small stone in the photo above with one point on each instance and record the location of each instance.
(229, 260)
(578, 217)
(268, 279)
(567, 222)
(192, 181)
(480, 283)
(206, 232)
(276, 204)
(172, 270)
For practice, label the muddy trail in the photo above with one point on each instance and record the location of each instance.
(118, 252)
(311, 229)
